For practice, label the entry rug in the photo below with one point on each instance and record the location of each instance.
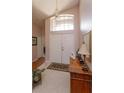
(59, 67)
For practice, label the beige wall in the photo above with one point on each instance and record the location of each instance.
(85, 8)
(47, 28)
(36, 32)
(43, 37)
(85, 15)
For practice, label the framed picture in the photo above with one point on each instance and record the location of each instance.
(34, 41)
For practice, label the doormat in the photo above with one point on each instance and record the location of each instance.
(59, 67)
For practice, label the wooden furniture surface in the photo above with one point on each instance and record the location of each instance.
(81, 81)
(38, 62)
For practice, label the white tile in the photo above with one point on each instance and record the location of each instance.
(53, 81)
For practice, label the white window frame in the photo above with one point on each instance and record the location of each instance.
(64, 20)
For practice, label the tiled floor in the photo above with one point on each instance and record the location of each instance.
(53, 81)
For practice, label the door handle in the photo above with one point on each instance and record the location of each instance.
(62, 48)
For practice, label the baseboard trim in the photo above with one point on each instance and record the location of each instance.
(36, 59)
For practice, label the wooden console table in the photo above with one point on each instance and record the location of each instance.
(81, 81)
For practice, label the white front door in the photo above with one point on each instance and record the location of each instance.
(68, 47)
(61, 46)
(55, 48)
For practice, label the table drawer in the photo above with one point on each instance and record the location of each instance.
(81, 76)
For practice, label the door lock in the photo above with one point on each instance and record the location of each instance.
(62, 48)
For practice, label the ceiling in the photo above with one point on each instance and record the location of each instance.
(41, 9)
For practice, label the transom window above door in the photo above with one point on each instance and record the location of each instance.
(64, 22)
